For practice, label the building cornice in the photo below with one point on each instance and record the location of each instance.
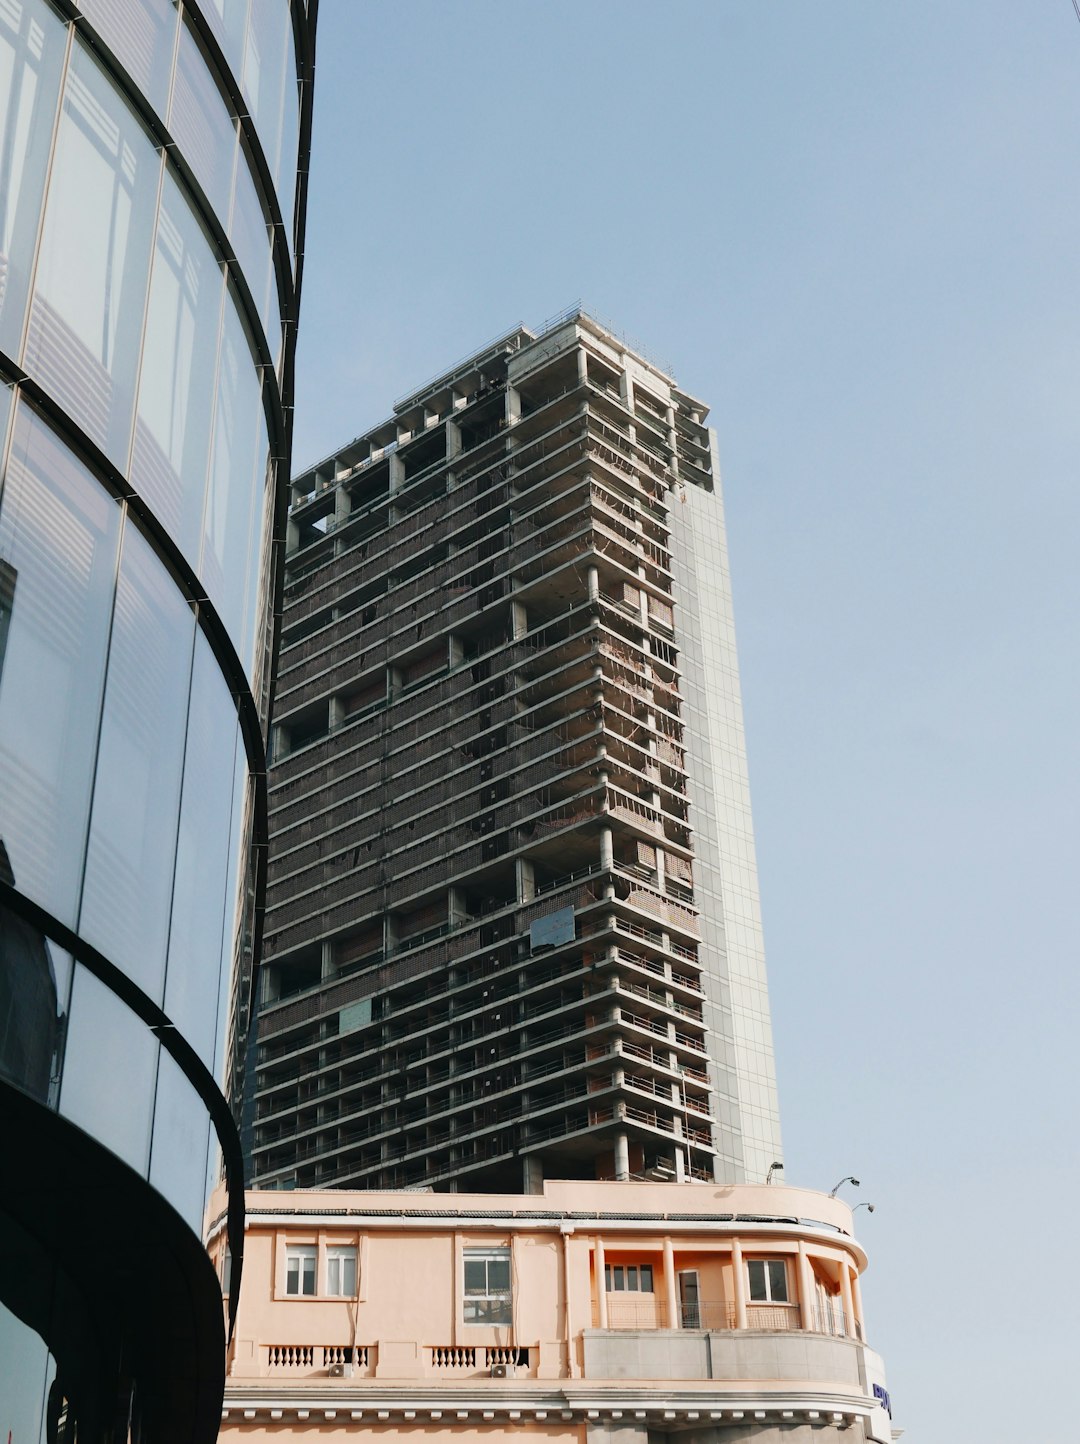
(314, 1405)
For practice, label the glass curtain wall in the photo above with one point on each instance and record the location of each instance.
(149, 217)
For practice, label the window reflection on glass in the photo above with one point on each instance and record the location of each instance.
(178, 1149)
(32, 44)
(133, 823)
(176, 388)
(58, 540)
(285, 175)
(110, 1064)
(26, 1372)
(264, 72)
(203, 862)
(228, 20)
(141, 32)
(202, 123)
(251, 236)
(35, 979)
(239, 443)
(86, 315)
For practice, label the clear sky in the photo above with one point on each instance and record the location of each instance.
(851, 226)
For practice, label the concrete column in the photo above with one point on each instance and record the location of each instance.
(455, 651)
(456, 912)
(806, 1290)
(845, 1298)
(674, 1312)
(601, 1286)
(526, 880)
(453, 440)
(607, 849)
(389, 932)
(513, 405)
(860, 1327)
(457, 1322)
(342, 506)
(336, 713)
(622, 1158)
(738, 1280)
(519, 620)
(680, 1163)
(582, 366)
(567, 1230)
(659, 852)
(593, 576)
(397, 472)
(326, 965)
(532, 1171)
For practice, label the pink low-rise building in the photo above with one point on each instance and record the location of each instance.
(593, 1312)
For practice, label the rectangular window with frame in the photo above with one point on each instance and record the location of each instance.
(628, 1278)
(300, 1261)
(487, 1286)
(768, 1280)
(341, 1271)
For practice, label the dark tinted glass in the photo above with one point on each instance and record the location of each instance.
(32, 44)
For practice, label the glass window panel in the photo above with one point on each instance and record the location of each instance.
(178, 1149)
(341, 1271)
(7, 399)
(32, 43)
(778, 1280)
(264, 72)
(755, 1269)
(109, 1067)
(87, 312)
(142, 34)
(239, 441)
(475, 1276)
(58, 542)
(35, 979)
(250, 233)
(26, 1370)
(236, 892)
(300, 1270)
(203, 124)
(253, 651)
(285, 174)
(176, 388)
(133, 822)
(228, 20)
(499, 1274)
(203, 864)
(646, 1278)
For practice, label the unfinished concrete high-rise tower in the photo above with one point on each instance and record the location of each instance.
(512, 925)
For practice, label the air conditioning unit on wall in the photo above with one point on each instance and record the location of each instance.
(504, 1371)
(340, 1371)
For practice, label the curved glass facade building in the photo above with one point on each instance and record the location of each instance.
(152, 168)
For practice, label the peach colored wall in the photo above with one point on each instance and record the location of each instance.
(237, 1432)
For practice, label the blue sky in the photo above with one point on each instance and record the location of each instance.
(852, 228)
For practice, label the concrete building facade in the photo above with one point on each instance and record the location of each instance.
(152, 164)
(585, 1314)
(512, 927)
